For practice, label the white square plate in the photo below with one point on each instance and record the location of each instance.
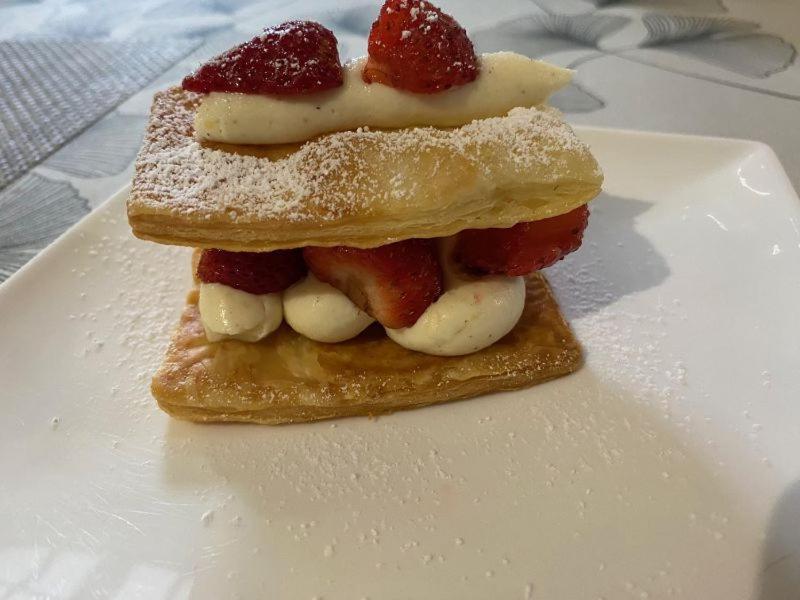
(667, 467)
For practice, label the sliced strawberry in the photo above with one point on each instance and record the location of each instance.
(296, 57)
(414, 46)
(253, 272)
(393, 283)
(523, 248)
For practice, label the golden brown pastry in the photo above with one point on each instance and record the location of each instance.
(354, 188)
(288, 378)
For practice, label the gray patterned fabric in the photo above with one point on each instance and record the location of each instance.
(68, 135)
(34, 210)
(52, 89)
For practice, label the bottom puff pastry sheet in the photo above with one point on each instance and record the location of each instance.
(287, 378)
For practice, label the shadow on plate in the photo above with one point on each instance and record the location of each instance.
(614, 261)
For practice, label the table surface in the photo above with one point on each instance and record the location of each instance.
(79, 76)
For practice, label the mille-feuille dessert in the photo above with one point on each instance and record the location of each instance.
(369, 236)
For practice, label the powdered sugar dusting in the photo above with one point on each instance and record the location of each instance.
(328, 178)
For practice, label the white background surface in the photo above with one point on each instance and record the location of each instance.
(668, 467)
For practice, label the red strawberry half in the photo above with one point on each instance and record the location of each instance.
(296, 57)
(414, 46)
(523, 248)
(393, 283)
(253, 272)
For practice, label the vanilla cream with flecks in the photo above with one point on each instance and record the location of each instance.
(471, 314)
(506, 80)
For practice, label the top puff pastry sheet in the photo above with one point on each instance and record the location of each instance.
(361, 188)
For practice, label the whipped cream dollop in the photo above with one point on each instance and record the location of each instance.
(321, 312)
(472, 314)
(507, 80)
(230, 313)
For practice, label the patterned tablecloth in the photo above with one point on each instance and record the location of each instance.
(77, 76)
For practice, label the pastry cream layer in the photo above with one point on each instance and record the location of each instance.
(230, 313)
(472, 314)
(321, 312)
(312, 308)
(468, 317)
(507, 80)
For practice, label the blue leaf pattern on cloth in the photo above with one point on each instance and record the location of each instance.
(727, 43)
(11, 259)
(33, 212)
(539, 35)
(668, 29)
(706, 6)
(105, 150)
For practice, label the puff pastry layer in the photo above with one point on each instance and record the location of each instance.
(354, 188)
(288, 378)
